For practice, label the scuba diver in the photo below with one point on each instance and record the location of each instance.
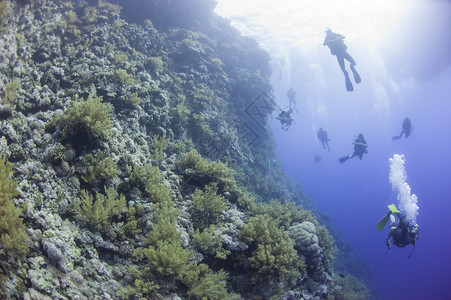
(322, 136)
(318, 159)
(292, 97)
(403, 232)
(338, 48)
(360, 146)
(286, 118)
(406, 129)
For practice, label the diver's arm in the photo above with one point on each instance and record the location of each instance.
(340, 37)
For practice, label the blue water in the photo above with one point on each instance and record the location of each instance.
(407, 72)
(356, 194)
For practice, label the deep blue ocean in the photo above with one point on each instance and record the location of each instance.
(402, 50)
(355, 194)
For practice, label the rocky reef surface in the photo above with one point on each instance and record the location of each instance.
(136, 162)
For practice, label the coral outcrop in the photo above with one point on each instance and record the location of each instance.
(304, 235)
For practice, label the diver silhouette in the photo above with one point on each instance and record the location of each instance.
(360, 146)
(406, 129)
(337, 47)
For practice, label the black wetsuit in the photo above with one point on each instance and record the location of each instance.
(406, 129)
(335, 42)
(360, 146)
(322, 136)
(401, 235)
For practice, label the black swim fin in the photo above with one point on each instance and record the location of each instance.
(343, 159)
(356, 75)
(349, 86)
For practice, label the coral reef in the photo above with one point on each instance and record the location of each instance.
(305, 237)
(133, 175)
(347, 287)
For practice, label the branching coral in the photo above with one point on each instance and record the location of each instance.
(111, 10)
(90, 15)
(218, 171)
(160, 143)
(326, 243)
(165, 252)
(206, 284)
(11, 90)
(124, 78)
(99, 212)
(348, 288)
(3, 14)
(134, 99)
(13, 239)
(152, 180)
(130, 228)
(209, 242)
(99, 167)
(208, 205)
(274, 260)
(285, 213)
(156, 64)
(180, 114)
(90, 117)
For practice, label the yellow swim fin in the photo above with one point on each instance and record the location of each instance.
(393, 209)
(383, 221)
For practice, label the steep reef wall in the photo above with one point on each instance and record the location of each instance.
(137, 164)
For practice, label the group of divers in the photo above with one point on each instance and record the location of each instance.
(402, 231)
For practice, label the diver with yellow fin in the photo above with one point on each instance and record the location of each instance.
(403, 232)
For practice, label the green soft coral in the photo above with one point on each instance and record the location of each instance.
(348, 288)
(160, 144)
(99, 167)
(209, 242)
(152, 180)
(165, 252)
(208, 205)
(11, 89)
(98, 213)
(89, 116)
(205, 284)
(13, 238)
(285, 213)
(219, 171)
(167, 258)
(274, 259)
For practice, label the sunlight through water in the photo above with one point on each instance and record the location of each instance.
(302, 23)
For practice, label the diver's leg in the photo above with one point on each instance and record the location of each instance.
(393, 226)
(392, 221)
(349, 58)
(395, 138)
(354, 71)
(341, 62)
(344, 158)
(348, 83)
